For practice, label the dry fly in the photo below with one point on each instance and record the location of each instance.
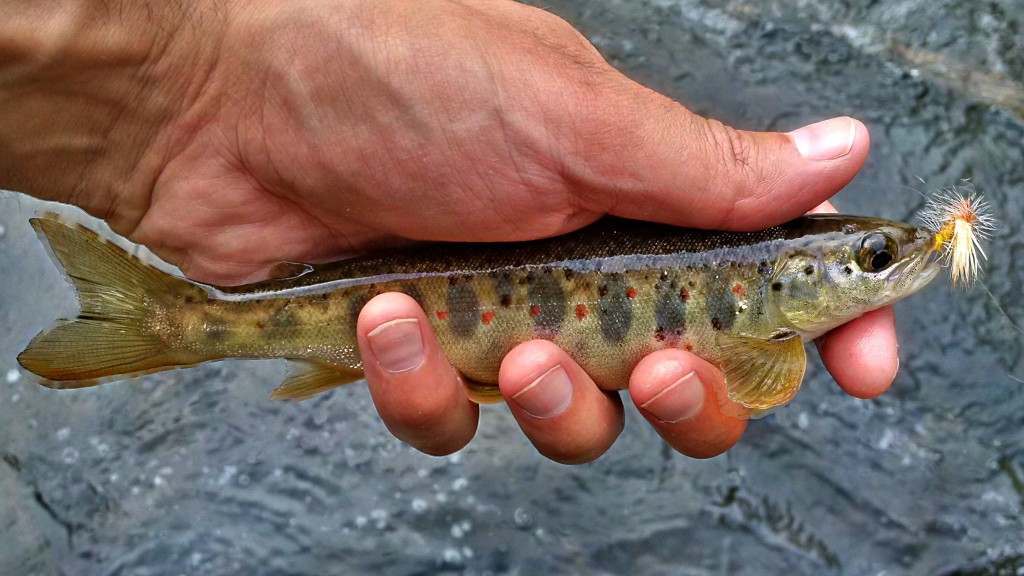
(961, 222)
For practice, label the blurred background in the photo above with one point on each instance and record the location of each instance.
(197, 472)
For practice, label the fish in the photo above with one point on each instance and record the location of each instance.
(608, 294)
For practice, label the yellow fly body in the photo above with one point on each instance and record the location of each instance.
(960, 223)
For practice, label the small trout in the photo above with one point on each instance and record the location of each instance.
(607, 294)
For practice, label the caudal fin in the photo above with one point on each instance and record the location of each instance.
(110, 338)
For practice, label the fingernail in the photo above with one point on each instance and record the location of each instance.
(682, 400)
(825, 140)
(398, 344)
(548, 395)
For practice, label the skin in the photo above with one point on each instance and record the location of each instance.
(231, 138)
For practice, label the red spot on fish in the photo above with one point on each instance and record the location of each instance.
(660, 336)
(534, 310)
(581, 312)
(684, 294)
(486, 317)
(260, 324)
(631, 292)
(689, 347)
(738, 290)
(441, 314)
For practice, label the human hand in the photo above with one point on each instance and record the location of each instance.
(306, 131)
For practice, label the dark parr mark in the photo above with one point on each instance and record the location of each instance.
(544, 291)
(217, 329)
(283, 318)
(412, 290)
(721, 303)
(669, 309)
(463, 306)
(355, 304)
(614, 309)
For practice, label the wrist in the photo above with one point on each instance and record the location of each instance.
(84, 90)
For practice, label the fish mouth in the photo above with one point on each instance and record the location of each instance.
(913, 274)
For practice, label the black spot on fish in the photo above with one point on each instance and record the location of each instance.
(669, 308)
(545, 291)
(847, 270)
(720, 302)
(763, 268)
(453, 280)
(809, 269)
(777, 286)
(503, 288)
(463, 309)
(569, 274)
(614, 309)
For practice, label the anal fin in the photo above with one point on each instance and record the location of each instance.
(482, 393)
(762, 374)
(308, 378)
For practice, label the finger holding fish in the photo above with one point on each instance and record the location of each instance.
(861, 355)
(683, 397)
(418, 394)
(558, 406)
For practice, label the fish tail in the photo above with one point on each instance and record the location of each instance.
(110, 336)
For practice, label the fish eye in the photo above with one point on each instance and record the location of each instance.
(877, 252)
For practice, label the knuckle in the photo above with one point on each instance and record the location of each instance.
(734, 149)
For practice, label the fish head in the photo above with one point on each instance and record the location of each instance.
(836, 268)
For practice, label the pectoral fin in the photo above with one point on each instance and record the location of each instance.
(307, 379)
(761, 374)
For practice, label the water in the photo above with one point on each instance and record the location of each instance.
(196, 472)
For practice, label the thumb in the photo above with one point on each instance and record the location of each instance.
(673, 166)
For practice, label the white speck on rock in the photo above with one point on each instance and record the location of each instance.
(13, 376)
(226, 475)
(459, 484)
(419, 505)
(452, 556)
(70, 455)
(63, 434)
(803, 421)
